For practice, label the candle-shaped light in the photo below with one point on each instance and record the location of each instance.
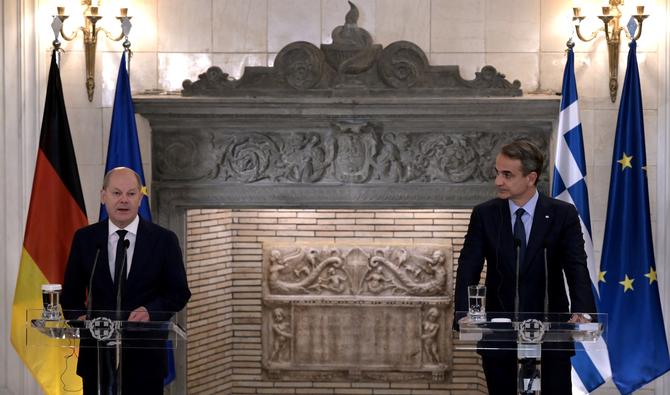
(576, 11)
(640, 10)
(124, 12)
(606, 10)
(61, 10)
(94, 11)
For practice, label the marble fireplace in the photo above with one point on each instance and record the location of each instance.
(254, 174)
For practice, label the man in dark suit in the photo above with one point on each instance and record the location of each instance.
(153, 286)
(538, 223)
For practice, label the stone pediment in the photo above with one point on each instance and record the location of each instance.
(353, 65)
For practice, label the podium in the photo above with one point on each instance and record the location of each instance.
(528, 334)
(109, 339)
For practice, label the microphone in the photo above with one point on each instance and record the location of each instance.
(500, 274)
(89, 296)
(546, 283)
(121, 280)
(517, 246)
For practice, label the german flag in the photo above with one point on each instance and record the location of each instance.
(56, 211)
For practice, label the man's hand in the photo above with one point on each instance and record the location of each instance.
(139, 314)
(579, 318)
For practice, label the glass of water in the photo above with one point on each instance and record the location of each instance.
(477, 302)
(51, 302)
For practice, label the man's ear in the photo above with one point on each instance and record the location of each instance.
(532, 177)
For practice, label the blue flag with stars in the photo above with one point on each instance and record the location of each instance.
(124, 150)
(628, 285)
(124, 146)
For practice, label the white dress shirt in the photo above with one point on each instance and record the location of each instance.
(113, 240)
(527, 217)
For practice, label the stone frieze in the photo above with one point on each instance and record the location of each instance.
(348, 153)
(357, 271)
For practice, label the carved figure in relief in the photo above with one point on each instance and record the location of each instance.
(334, 281)
(429, 329)
(377, 282)
(304, 158)
(281, 331)
(276, 265)
(306, 276)
(306, 268)
(435, 281)
(388, 161)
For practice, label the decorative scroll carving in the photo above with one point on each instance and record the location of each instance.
(357, 271)
(358, 312)
(186, 157)
(402, 65)
(348, 153)
(351, 66)
(300, 64)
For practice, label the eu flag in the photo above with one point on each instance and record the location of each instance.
(124, 146)
(635, 336)
(124, 150)
(590, 365)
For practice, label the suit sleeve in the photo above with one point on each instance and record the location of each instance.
(575, 265)
(174, 288)
(470, 262)
(73, 298)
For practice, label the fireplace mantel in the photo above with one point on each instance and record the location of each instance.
(334, 152)
(347, 125)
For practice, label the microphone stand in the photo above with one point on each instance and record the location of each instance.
(89, 311)
(89, 298)
(546, 286)
(517, 245)
(121, 283)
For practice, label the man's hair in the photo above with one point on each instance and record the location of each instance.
(528, 153)
(108, 175)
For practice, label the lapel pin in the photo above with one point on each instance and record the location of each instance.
(546, 216)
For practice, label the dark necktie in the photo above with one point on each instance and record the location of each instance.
(520, 233)
(120, 257)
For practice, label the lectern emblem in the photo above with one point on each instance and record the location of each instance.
(102, 328)
(531, 331)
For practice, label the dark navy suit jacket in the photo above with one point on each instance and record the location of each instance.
(555, 226)
(156, 280)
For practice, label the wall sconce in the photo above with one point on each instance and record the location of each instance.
(610, 18)
(90, 33)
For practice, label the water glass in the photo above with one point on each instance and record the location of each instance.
(477, 302)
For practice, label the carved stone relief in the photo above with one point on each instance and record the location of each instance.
(372, 312)
(349, 153)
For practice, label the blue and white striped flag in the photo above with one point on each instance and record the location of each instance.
(590, 365)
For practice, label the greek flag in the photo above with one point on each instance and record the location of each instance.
(590, 365)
